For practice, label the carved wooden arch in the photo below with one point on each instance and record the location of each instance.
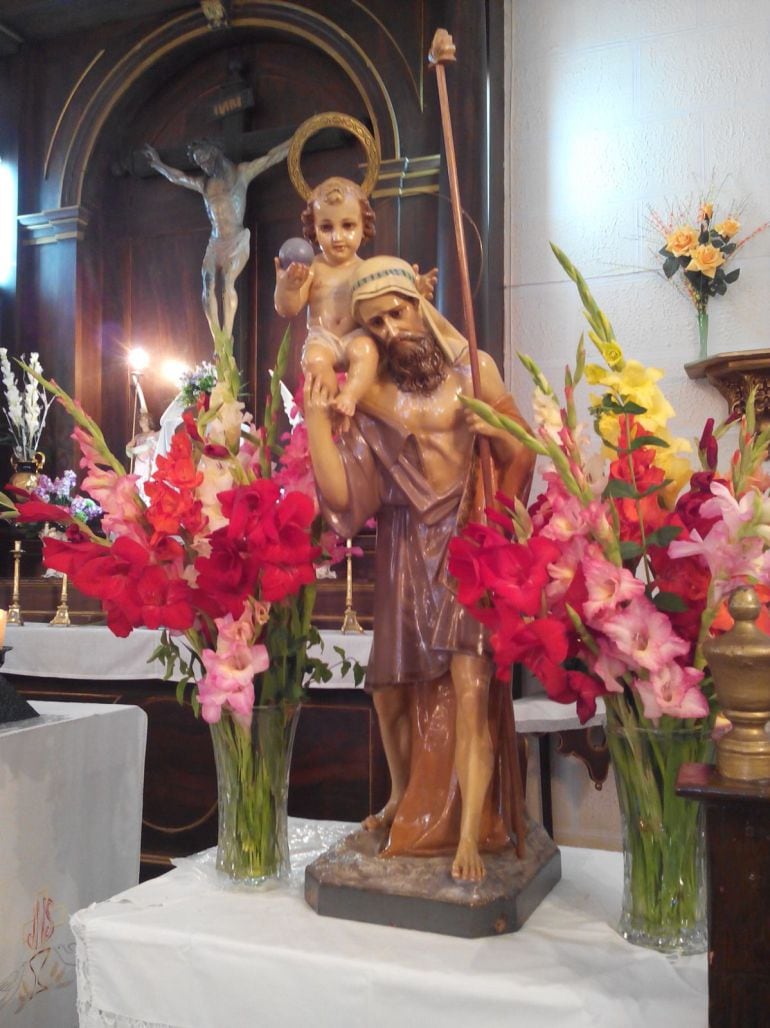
(81, 123)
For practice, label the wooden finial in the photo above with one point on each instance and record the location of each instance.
(442, 49)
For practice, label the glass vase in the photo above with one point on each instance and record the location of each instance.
(253, 765)
(664, 886)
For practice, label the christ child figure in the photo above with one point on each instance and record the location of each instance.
(338, 219)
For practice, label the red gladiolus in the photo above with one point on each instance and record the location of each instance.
(178, 468)
(165, 602)
(67, 556)
(38, 510)
(467, 558)
(229, 574)
(171, 509)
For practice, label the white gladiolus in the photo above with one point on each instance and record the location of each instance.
(25, 413)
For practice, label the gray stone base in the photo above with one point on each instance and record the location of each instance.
(352, 881)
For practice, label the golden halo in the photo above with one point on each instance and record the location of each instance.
(332, 119)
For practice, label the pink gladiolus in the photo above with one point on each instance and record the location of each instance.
(229, 679)
(608, 586)
(118, 497)
(732, 561)
(608, 665)
(673, 690)
(644, 637)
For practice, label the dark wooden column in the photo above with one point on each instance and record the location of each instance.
(738, 852)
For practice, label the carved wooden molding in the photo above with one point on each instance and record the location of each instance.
(53, 226)
(733, 375)
(88, 109)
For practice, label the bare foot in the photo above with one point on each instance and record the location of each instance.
(467, 865)
(382, 820)
(344, 405)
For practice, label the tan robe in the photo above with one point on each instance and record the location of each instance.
(418, 625)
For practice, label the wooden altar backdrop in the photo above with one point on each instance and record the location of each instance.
(109, 253)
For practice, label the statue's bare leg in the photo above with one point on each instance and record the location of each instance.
(318, 361)
(393, 715)
(230, 273)
(229, 305)
(473, 758)
(209, 297)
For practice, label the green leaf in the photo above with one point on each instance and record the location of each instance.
(730, 248)
(664, 535)
(670, 266)
(733, 275)
(669, 602)
(647, 440)
(615, 407)
(629, 549)
(620, 489)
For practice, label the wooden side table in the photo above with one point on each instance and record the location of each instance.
(738, 855)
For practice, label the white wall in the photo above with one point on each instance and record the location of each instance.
(616, 106)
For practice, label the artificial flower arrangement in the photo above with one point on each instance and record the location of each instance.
(201, 379)
(610, 582)
(26, 408)
(222, 556)
(701, 253)
(62, 492)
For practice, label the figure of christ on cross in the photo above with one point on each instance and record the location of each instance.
(223, 186)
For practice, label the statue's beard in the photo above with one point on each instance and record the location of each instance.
(416, 363)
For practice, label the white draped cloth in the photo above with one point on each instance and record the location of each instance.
(185, 951)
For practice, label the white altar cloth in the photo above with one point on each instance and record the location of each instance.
(92, 651)
(70, 823)
(181, 951)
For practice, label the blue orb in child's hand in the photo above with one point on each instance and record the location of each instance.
(296, 251)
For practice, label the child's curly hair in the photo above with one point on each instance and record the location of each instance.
(333, 191)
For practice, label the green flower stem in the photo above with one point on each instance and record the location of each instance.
(703, 332)
(663, 900)
(252, 778)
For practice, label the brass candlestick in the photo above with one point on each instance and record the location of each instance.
(350, 618)
(14, 610)
(62, 615)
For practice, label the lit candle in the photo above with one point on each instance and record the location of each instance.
(3, 620)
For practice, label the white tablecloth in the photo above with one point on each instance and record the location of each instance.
(70, 820)
(183, 951)
(92, 651)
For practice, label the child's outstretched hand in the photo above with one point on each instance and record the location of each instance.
(294, 276)
(426, 284)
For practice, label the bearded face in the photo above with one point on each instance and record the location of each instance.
(415, 362)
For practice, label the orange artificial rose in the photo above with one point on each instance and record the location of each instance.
(706, 212)
(705, 259)
(728, 228)
(682, 240)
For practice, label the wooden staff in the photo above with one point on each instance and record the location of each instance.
(442, 51)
